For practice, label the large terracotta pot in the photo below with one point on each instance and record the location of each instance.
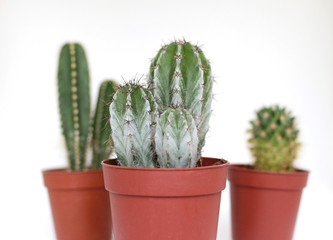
(80, 204)
(264, 205)
(165, 204)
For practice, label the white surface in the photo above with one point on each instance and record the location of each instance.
(262, 52)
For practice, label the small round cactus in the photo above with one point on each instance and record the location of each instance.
(274, 139)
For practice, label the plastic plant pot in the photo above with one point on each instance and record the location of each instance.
(165, 203)
(264, 205)
(79, 203)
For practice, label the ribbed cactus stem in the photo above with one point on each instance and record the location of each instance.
(273, 141)
(133, 113)
(74, 102)
(176, 139)
(181, 75)
(101, 140)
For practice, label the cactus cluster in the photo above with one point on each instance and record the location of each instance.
(74, 108)
(165, 124)
(274, 139)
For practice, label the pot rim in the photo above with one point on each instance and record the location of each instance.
(241, 175)
(68, 171)
(244, 167)
(225, 163)
(61, 179)
(166, 182)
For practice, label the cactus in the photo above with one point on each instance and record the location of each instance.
(74, 102)
(274, 143)
(101, 140)
(133, 114)
(180, 74)
(176, 139)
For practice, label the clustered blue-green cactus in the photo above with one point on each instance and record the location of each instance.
(165, 124)
(74, 105)
(274, 139)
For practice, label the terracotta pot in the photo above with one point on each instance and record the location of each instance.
(80, 204)
(165, 204)
(264, 205)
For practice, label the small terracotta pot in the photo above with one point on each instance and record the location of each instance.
(264, 205)
(80, 204)
(165, 203)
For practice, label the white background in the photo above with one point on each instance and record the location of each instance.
(262, 52)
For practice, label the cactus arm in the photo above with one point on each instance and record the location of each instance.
(176, 139)
(101, 140)
(131, 121)
(74, 102)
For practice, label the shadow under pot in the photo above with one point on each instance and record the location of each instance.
(165, 203)
(264, 204)
(79, 203)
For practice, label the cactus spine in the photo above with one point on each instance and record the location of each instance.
(176, 139)
(74, 102)
(101, 140)
(180, 74)
(273, 141)
(133, 114)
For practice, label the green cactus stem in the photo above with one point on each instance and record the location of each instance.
(74, 102)
(101, 140)
(180, 74)
(176, 139)
(133, 114)
(274, 140)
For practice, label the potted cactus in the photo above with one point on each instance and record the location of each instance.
(265, 196)
(163, 188)
(79, 202)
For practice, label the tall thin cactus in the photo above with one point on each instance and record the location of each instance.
(180, 74)
(74, 102)
(101, 140)
(176, 139)
(133, 114)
